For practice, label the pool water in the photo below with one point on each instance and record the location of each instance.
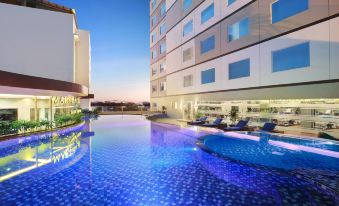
(281, 152)
(127, 160)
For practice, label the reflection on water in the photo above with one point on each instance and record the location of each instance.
(18, 156)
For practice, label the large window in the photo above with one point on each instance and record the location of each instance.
(207, 45)
(207, 14)
(291, 58)
(154, 2)
(188, 28)
(282, 9)
(162, 29)
(154, 71)
(154, 37)
(208, 76)
(8, 114)
(186, 4)
(239, 69)
(154, 20)
(188, 80)
(162, 86)
(230, 2)
(163, 9)
(162, 67)
(238, 30)
(154, 54)
(154, 88)
(187, 54)
(162, 47)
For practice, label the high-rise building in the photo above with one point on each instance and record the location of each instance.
(268, 60)
(45, 61)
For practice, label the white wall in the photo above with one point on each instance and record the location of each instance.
(261, 63)
(318, 36)
(83, 59)
(36, 42)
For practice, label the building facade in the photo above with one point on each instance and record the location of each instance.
(269, 60)
(45, 61)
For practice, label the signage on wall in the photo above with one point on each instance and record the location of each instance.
(65, 100)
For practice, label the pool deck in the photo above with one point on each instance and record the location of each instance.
(294, 130)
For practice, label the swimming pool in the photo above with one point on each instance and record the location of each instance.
(127, 160)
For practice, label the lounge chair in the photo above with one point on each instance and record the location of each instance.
(198, 121)
(240, 126)
(268, 127)
(216, 123)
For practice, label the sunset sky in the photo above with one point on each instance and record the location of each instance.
(120, 46)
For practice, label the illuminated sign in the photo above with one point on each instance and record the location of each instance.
(65, 100)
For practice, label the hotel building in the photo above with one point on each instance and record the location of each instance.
(269, 60)
(45, 61)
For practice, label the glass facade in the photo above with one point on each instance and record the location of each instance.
(208, 76)
(239, 69)
(207, 45)
(294, 57)
(188, 28)
(282, 9)
(238, 30)
(207, 14)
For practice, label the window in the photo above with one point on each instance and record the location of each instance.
(188, 28)
(163, 9)
(188, 80)
(162, 86)
(187, 54)
(208, 76)
(282, 9)
(291, 58)
(154, 54)
(162, 47)
(154, 2)
(207, 14)
(207, 45)
(154, 20)
(154, 88)
(47, 113)
(230, 2)
(154, 37)
(239, 69)
(35, 116)
(163, 29)
(8, 114)
(162, 67)
(154, 71)
(238, 30)
(187, 4)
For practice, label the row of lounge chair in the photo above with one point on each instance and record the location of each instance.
(240, 126)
